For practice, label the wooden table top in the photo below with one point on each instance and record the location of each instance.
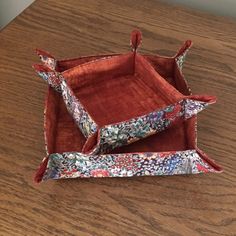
(178, 205)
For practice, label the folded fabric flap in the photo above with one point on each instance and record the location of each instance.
(41, 170)
(135, 39)
(52, 77)
(181, 54)
(195, 103)
(209, 160)
(203, 98)
(126, 132)
(47, 59)
(92, 144)
(75, 164)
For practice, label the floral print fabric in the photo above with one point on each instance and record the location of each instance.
(47, 59)
(180, 60)
(116, 135)
(181, 55)
(81, 117)
(74, 164)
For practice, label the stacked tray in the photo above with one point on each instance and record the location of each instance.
(120, 115)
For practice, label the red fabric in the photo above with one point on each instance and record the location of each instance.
(39, 174)
(135, 38)
(113, 97)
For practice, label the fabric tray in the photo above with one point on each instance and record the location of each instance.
(118, 99)
(173, 151)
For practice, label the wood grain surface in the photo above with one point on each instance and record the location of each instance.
(179, 205)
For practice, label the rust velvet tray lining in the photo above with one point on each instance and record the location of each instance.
(111, 92)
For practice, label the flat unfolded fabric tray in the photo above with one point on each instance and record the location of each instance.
(118, 99)
(172, 151)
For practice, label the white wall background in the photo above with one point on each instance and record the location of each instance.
(218, 7)
(9, 9)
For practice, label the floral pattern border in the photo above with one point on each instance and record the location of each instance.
(124, 133)
(75, 164)
(181, 59)
(47, 59)
(81, 117)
